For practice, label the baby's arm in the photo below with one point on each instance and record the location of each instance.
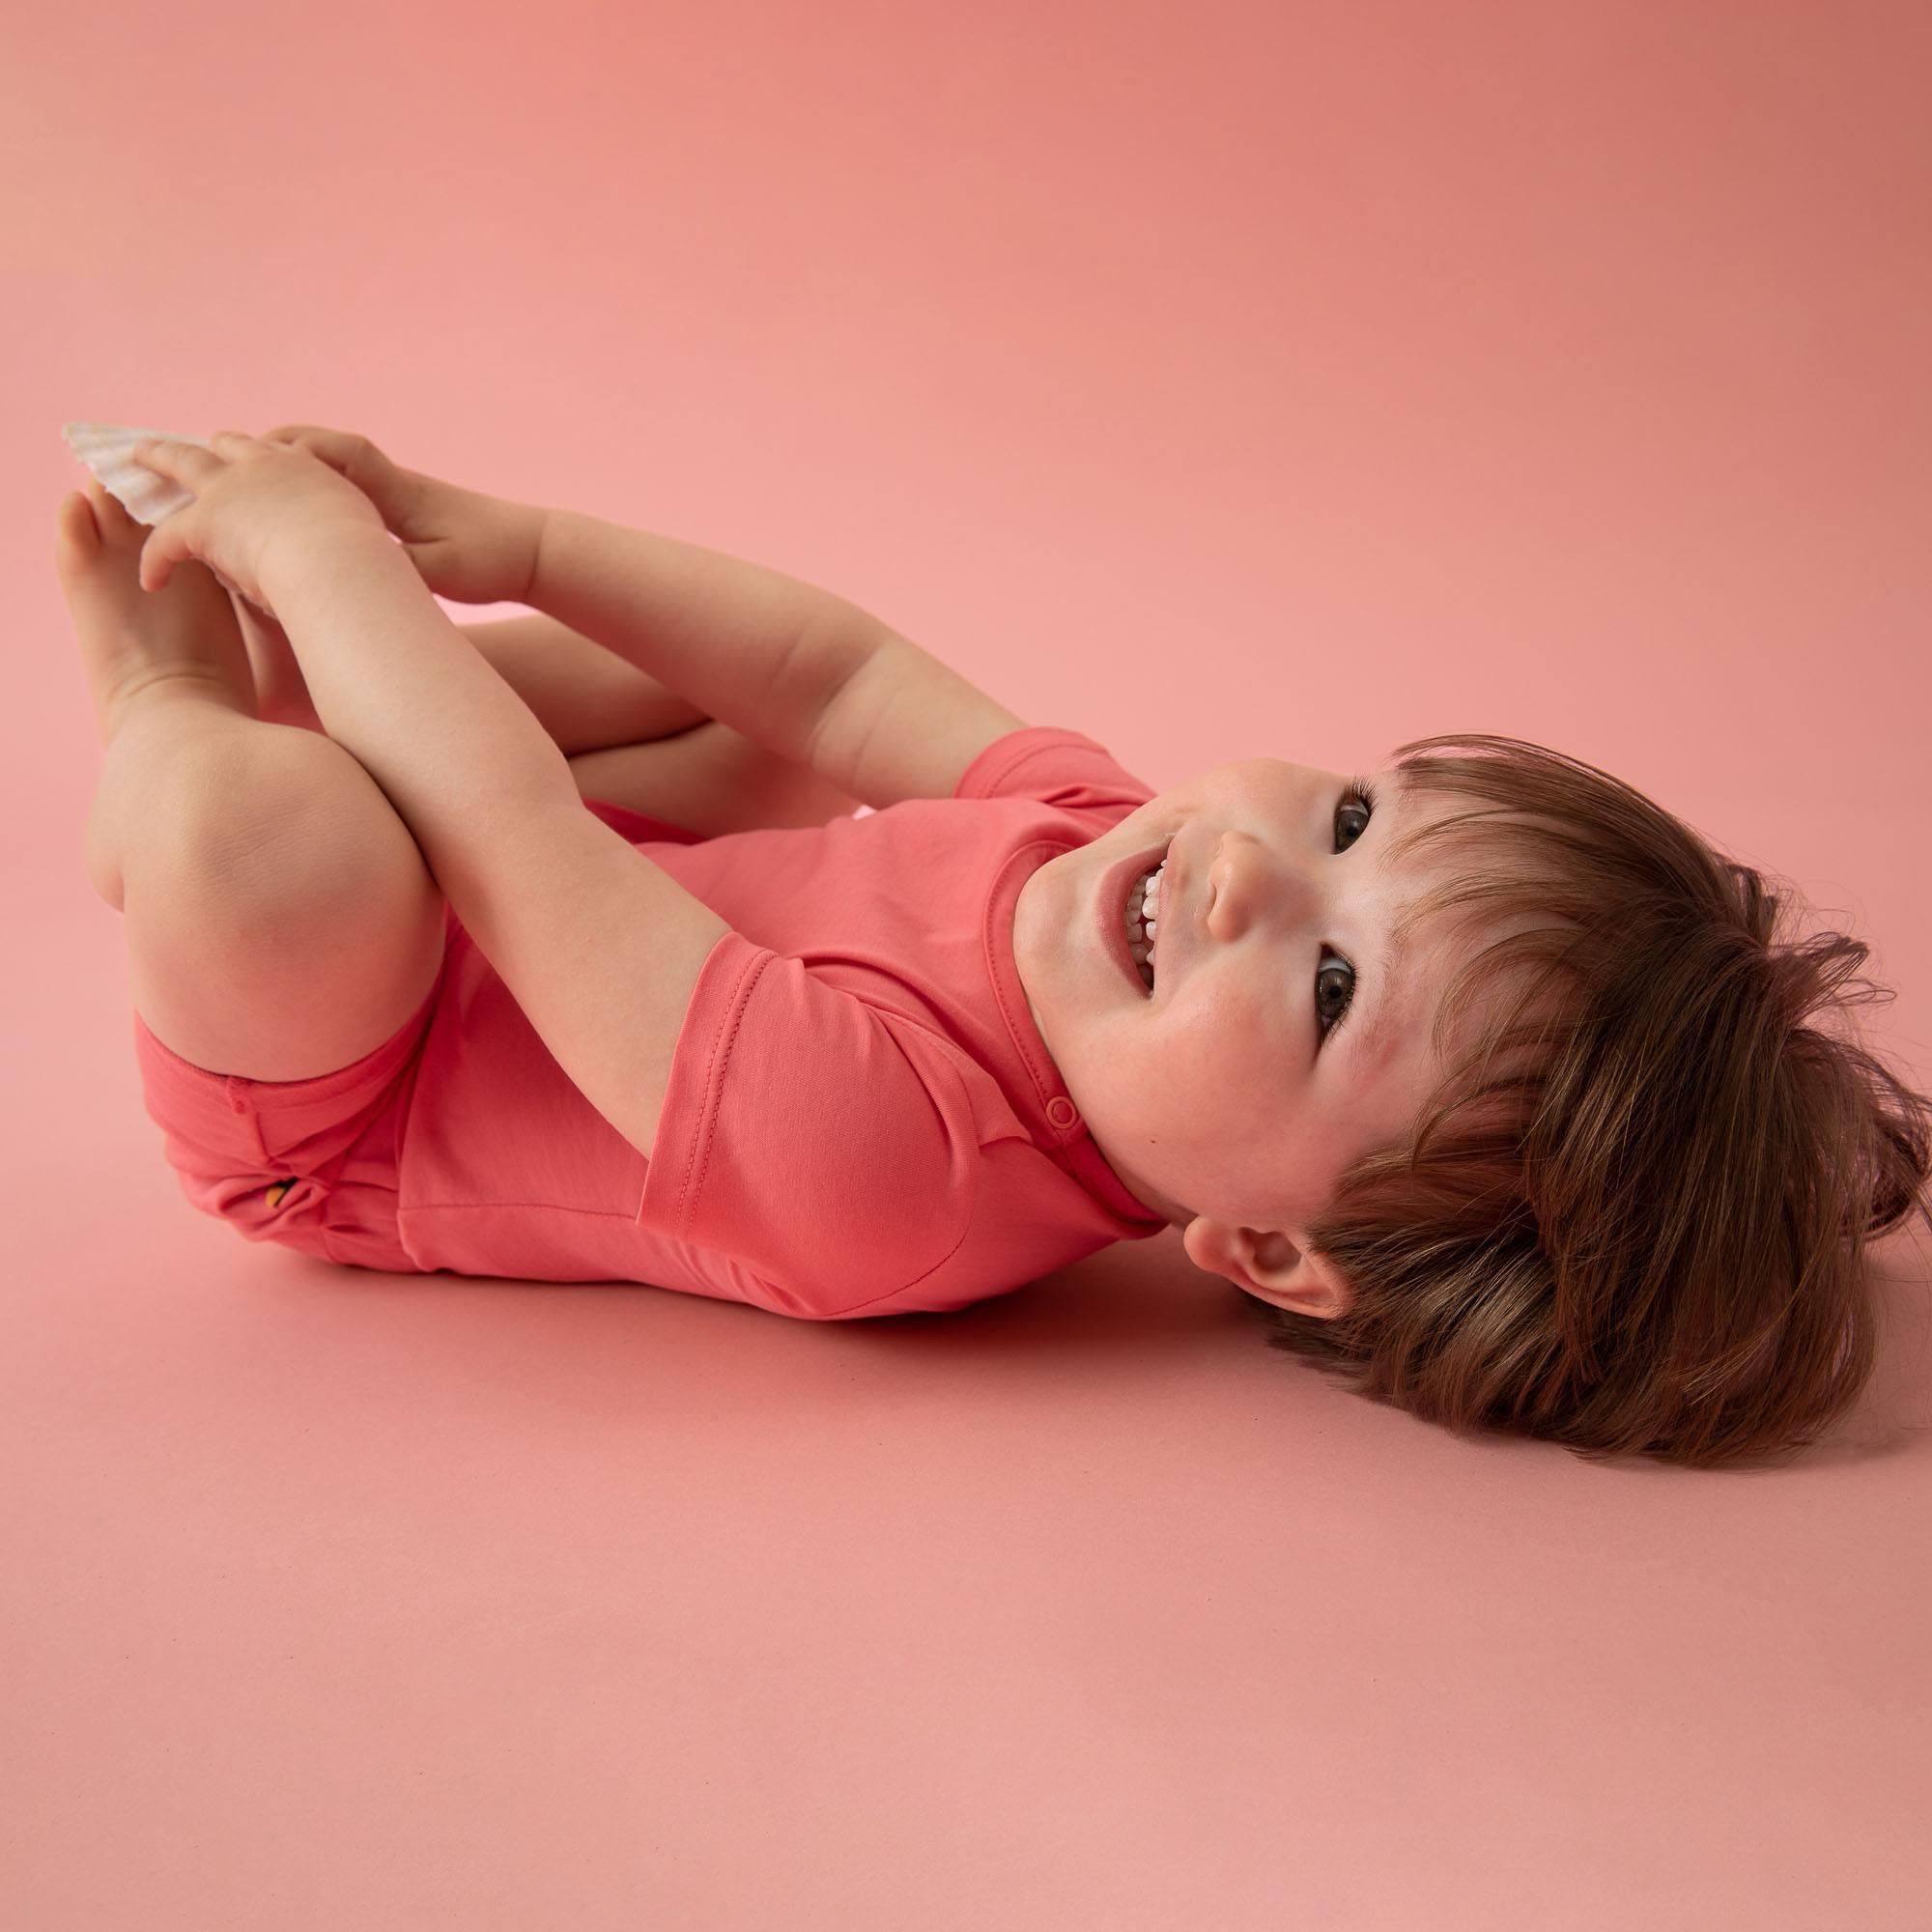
(637, 637)
(748, 647)
(799, 670)
(905, 726)
(629, 739)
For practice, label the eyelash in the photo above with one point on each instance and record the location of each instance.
(1359, 792)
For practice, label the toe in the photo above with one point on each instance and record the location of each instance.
(78, 535)
(110, 514)
(121, 535)
(95, 557)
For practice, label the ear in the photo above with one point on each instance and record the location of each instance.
(1269, 1263)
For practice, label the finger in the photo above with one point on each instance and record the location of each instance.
(182, 461)
(339, 450)
(158, 555)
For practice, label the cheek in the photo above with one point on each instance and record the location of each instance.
(1228, 1055)
(1234, 1029)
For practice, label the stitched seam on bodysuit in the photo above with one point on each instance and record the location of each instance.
(859, 1307)
(715, 1070)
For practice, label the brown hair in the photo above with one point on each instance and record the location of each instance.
(1633, 1216)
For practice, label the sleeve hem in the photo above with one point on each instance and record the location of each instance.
(998, 761)
(674, 1172)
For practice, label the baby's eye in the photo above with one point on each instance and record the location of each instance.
(1334, 988)
(1355, 807)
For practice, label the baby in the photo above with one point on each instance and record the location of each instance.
(1487, 1082)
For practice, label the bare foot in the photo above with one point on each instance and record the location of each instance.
(132, 640)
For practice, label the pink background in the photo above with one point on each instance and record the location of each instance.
(1222, 380)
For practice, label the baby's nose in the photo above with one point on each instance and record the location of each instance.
(1248, 880)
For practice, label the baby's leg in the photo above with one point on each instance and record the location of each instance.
(280, 921)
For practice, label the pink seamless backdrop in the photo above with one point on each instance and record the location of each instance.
(1224, 381)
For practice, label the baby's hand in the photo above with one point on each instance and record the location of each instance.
(248, 501)
(468, 547)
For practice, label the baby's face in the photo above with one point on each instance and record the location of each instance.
(1232, 1091)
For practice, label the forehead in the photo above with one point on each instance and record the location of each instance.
(1417, 956)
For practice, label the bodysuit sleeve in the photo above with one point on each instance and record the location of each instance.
(829, 1147)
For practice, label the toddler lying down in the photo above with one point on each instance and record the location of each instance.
(702, 931)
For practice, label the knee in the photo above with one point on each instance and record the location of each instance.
(281, 828)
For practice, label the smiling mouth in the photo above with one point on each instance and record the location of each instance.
(1132, 927)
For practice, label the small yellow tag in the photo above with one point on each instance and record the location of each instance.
(277, 1191)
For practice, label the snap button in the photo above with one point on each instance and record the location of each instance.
(1061, 1111)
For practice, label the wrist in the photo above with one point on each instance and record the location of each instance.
(308, 561)
(524, 527)
(498, 538)
(543, 529)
